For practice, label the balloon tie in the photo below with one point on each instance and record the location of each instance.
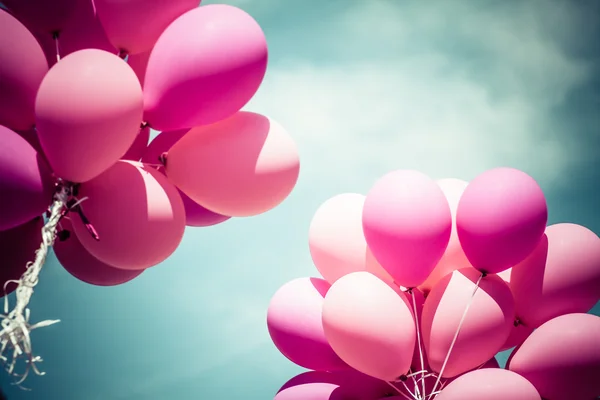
(16, 329)
(418, 327)
(75, 205)
(399, 391)
(144, 125)
(163, 159)
(56, 45)
(462, 320)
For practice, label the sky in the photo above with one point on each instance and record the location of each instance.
(450, 88)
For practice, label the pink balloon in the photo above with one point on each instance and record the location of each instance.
(336, 240)
(337, 385)
(22, 68)
(42, 15)
(204, 67)
(139, 63)
(489, 384)
(26, 183)
(500, 219)
(195, 214)
(485, 328)
(454, 256)
(242, 166)
(139, 146)
(137, 213)
(561, 276)
(295, 326)
(135, 25)
(518, 334)
(88, 112)
(369, 325)
(85, 267)
(407, 224)
(562, 358)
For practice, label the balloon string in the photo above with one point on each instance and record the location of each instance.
(418, 326)
(415, 383)
(462, 320)
(56, 46)
(399, 391)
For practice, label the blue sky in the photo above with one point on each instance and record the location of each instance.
(450, 88)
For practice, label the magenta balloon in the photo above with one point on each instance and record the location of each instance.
(139, 146)
(88, 113)
(85, 267)
(489, 384)
(369, 325)
(407, 224)
(17, 247)
(22, 68)
(500, 219)
(137, 213)
(135, 25)
(485, 328)
(295, 326)
(42, 15)
(561, 276)
(139, 63)
(561, 358)
(26, 184)
(204, 67)
(337, 385)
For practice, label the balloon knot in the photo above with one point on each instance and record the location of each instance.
(403, 378)
(123, 54)
(144, 125)
(163, 159)
(517, 322)
(484, 274)
(55, 35)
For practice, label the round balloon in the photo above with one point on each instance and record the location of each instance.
(486, 326)
(369, 325)
(295, 326)
(407, 225)
(500, 219)
(259, 177)
(137, 214)
(88, 113)
(561, 276)
(41, 15)
(561, 358)
(139, 146)
(85, 267)
(489, 384)
(26, 184)
(194, 79)
(22, 68)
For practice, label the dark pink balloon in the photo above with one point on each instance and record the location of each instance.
(22, 68)
(26, 184)
(43, 16)
(17, 248)
(84, 266)
(139, 62)
(139, 146)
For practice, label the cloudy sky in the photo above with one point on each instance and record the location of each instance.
(450, 88)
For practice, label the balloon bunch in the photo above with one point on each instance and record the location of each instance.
(425, 282)
(82, 82)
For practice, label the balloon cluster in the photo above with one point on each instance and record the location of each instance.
(425, 282)
(82, 82)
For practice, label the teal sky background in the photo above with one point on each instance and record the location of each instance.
(451, 88)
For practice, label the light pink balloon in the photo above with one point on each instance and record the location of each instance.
(242, 166)
(139, 63)
(88, 113)
(561, 276)
(22, 68)
(407, 224)
(204, 67)
(135, 25)
(295, 326)
(454, 256)
(137, 213)
(561, 358)
(369, 325)
(485, 328)
(489, 384)
(42, 15)
(85, 267)
(500, 219)
(139, 146)
(336, 240)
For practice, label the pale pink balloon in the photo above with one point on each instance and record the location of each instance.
(42, 15)
(369, 325)
(500, 219)
(204, 67)
(88, 113)
(518, 334)
(561, 276)
(485, 328)
(137, 213)
(139, 63)
(242, 166)
(561, 358)
(336, 240)
(407, 225)
(139, 146)
(489, 384)
(454, 256)
(22, 68)
(84, 266)
(295, 326)
(135, 25)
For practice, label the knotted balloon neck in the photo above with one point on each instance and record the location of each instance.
(74, 205)
(55, 36)
(123, 54)
(162, 159)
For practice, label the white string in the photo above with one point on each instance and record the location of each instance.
(57, 47)
(418, 326)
